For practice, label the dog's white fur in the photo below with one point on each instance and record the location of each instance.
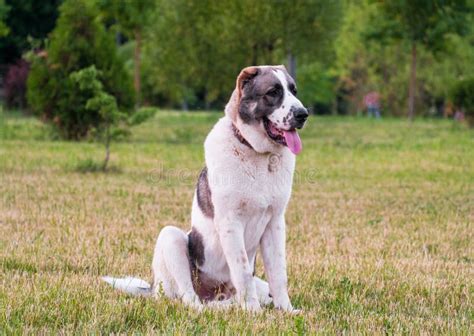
(250, 189)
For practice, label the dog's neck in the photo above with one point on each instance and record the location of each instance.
(256, 136)
(239, 136)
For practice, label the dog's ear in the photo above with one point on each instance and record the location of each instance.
(245, 76)
(280, 67)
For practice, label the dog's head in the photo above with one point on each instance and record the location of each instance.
(265, 109)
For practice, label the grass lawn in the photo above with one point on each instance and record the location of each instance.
(380, 229)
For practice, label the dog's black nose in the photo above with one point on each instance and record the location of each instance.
(300, 115)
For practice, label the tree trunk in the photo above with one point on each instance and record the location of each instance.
(334, 105)
(412, 87)
(117, 39)
(137, 69)
(107, 148)
(184, 105)
(292, 65)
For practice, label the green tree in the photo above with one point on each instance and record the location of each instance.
(421, 23)
(462, 94)
(196, 48)
(363, 64)
(306, 29)
(371, 58)
(131, 18)
(78, 41)
(100, 102)
(4, 9)
(114, 124)
(189, 52)
(26, 18)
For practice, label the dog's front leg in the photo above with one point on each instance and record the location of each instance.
(231, 236)
(274, 260)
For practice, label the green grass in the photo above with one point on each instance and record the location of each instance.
(380, 229)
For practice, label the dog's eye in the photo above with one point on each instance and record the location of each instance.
(275, 92)
(293, 89)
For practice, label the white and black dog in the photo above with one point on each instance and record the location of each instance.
(239, 204)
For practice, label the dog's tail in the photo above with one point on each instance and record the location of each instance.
(129, 285)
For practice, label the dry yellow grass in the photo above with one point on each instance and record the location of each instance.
(380, 229)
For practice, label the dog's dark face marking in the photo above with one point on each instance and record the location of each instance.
(195, 247)
(262, 93)
(204, 196)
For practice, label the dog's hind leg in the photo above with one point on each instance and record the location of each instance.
(171, 268)
(263, 291)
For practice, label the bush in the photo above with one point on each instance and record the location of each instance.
(463, 98)
(15, 84)
(114, 124)
(78, 41)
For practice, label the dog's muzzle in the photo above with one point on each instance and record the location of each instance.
(300, 115)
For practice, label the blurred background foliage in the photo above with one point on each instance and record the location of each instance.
(186, 53)
(78, 41)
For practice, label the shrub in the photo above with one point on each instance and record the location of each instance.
(104, 104)
(78, 41)
(463, 98)
(15, 84)
(114, 124)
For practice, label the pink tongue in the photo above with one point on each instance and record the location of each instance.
(293, 141)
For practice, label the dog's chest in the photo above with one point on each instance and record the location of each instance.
(268, 175)
(265, 191)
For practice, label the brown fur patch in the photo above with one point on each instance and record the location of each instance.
(195, 247)
(209, 289)
(242, 205)
(204, 195)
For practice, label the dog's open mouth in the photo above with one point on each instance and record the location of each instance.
(289, 138)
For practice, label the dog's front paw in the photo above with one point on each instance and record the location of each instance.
(192, 300)
(252, 306)
(286, 306)
(290, 310)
